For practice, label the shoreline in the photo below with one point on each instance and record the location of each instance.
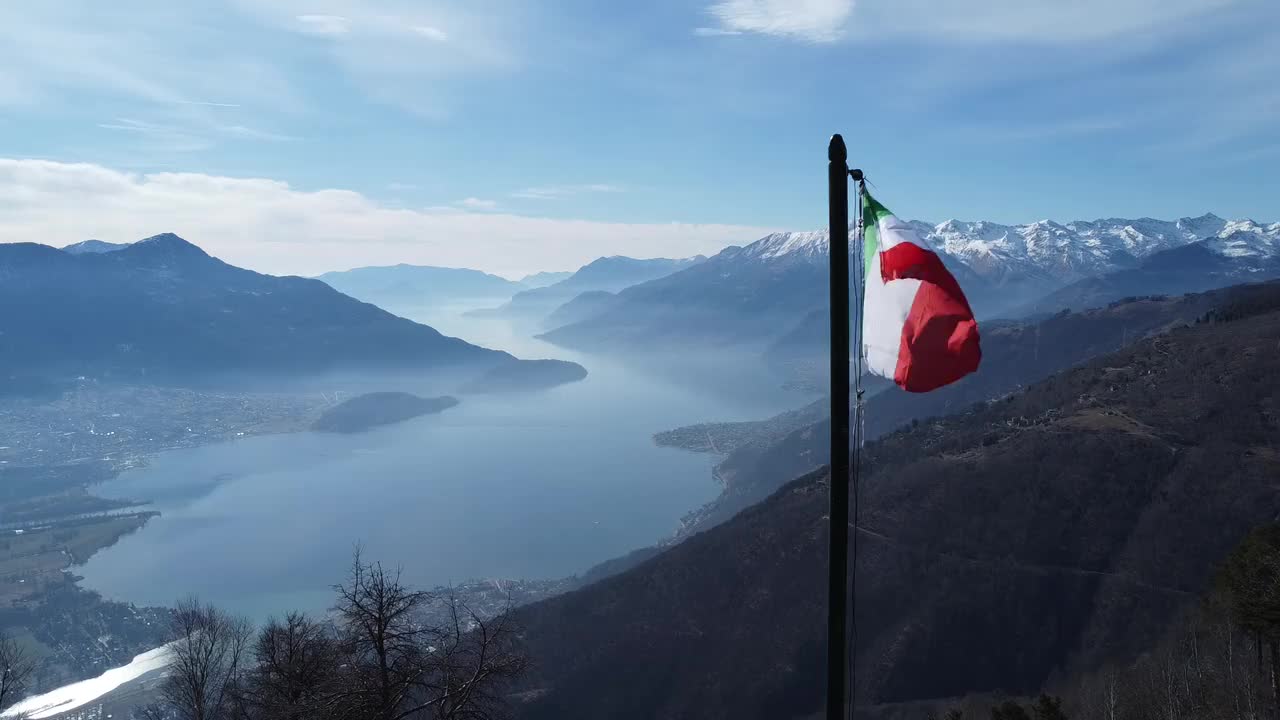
(288, 413)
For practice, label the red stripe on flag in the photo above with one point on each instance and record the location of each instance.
(940, 337)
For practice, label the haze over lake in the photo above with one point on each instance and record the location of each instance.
(537, 485)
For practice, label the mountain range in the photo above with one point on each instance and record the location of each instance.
(397, 286)
(1194, 267)
(606, 274)
(740, 296)
(583, 306)
(767, 293)
(545, 278)
(162, 309)
(1038, 534)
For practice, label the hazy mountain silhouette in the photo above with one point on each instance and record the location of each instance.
(737, 298)
(608, 274)
(581, 307)
(545, 278)
(397, 285)
(163, 309)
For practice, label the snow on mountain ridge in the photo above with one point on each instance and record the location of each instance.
(1046, 248)
(93, 246)
(803, 243)
(1246, 238)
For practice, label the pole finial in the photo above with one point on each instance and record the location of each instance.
(836, 151)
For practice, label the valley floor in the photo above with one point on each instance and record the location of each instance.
(54, 452)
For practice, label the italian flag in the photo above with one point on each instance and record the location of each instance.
(917, 327)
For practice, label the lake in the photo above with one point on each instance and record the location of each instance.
(531, 486)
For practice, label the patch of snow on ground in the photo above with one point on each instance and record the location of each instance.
(70, 697)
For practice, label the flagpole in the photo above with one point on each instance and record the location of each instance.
(838, 550)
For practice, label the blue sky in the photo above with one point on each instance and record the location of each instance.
(307, 135)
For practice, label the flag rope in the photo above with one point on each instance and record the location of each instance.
(855, 464)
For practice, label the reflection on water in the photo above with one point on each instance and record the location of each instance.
(519, 486)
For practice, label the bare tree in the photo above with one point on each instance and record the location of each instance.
(1250, 580)
(152, 711)
(383, 638)
(400, 666)
(470, 663)
(16, 666)
(391, 653)
(208, 652)
(295, 670)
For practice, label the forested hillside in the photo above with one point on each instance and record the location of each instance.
(1015, 354)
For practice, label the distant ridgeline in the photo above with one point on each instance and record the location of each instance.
(421, 285)
(596, 280)
(1047, 531)
(770, 296)
(162, 309)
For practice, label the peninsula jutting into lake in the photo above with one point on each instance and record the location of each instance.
(371, 410)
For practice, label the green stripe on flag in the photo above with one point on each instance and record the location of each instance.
(872, 213)
(872, 207)
(870, 245)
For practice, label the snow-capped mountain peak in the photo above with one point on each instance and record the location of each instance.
(1246, 238)
(1052, 250)
(93, 246)
(1206, 225)
(805, 245)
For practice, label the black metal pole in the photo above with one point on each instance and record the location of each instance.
(838, 554)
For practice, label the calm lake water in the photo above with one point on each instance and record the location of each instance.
(539, 485)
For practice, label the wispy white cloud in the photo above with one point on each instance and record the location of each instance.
(1058, 128)
(552, 192)
(165, 138)
(179, 77)
(206, 103)
(227, 54)
(714, 32)
(58, 49)
(414, 55)
(431, 33)
(187, 136)
(956, 21)
(1097, 73)
(323, 24)
(818, 21)
(1237, 98)
(473, 203)
(241, 131)
(270, 226)
(131, 125)
(1027, 21)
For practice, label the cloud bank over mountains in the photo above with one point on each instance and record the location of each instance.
(269, 226)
